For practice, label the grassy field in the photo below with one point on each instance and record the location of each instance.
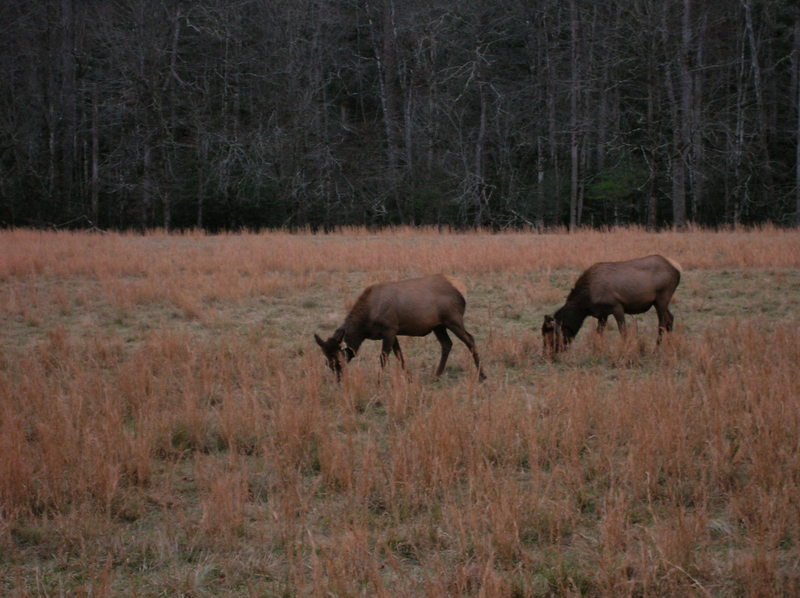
(168, 427)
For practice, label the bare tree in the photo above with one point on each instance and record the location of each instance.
(795, 95)
(498, 113)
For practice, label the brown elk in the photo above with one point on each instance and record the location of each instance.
(614, 289)
(414, 307)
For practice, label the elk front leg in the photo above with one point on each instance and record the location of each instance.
(387, 346)
(665, 321)
(398, 353)
(601, 324)
(619, 316)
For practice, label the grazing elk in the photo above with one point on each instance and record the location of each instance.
(616, 289)
(414, 307)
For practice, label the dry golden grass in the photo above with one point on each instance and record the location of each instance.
(167, 426)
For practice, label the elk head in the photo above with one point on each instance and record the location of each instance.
(553, 336)
(337, 354)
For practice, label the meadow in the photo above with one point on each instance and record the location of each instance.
(168, 426)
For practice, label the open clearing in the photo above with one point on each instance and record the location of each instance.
(168, 427)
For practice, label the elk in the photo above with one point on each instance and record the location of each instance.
(414, 307)
(616, 289)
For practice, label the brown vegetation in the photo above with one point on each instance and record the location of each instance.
(168, 426)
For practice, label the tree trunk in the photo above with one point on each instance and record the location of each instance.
(539, 210)
(796, 94)
(573, 104)
(755, 65)
(408, 124)
(678, 188)
(697, 165)
(732, 198)
(685, 115)
(552, 92)
(679, 110)
(652, 205)
(583, 161)
(392, 93)
(68, 103)
(95, 180)
(146, 187)
(480, 185)
(385, 50)
(201, 193)
(650, 150)
(167, 207)
(602, 121)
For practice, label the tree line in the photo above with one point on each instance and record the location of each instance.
(228, 114)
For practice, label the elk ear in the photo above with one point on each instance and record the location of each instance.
(320, 342)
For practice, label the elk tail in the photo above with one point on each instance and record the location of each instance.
(675, 264)
(458, 285)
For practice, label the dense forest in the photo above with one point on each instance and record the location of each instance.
(230, 114)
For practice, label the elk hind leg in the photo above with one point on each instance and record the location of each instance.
(458, 329)
(446, 343)
(665, 320)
